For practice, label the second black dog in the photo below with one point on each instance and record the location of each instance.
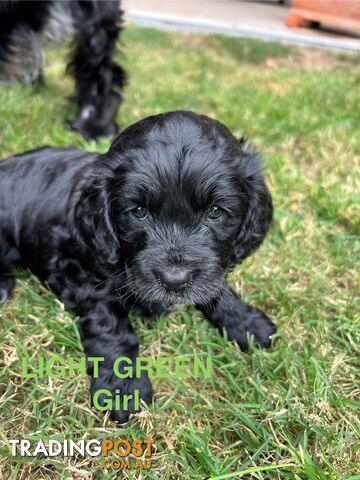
(157, 221)
(26, 27)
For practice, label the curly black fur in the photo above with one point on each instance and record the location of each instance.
(26, 26)
(157, 221)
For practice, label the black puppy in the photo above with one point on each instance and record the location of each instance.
(157, 221)
(27, 26)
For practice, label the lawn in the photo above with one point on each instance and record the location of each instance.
(297, 403)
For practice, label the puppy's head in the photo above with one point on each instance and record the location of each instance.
(186, 201)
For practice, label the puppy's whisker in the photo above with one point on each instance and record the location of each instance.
(116, 274)
(129, 291)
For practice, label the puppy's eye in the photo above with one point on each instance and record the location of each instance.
(140, 213)
(214, 213)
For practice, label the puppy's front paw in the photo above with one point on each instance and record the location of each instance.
(7, 285)
(255, 323)
(120, 396)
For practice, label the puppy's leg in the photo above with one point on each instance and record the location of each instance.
(106, 332)
(8, 255)
(150, 311)
(239, 319)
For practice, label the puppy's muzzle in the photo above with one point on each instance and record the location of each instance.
(175, 279)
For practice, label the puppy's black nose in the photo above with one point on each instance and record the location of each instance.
(175, 278)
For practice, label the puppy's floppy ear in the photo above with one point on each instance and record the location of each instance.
(258, 211)
(93, 214)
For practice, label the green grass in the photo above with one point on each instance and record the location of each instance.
(296, 404)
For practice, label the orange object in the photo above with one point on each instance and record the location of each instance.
(342, 13)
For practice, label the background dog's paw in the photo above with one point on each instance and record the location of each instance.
(117, 388)
(6, 286)
(90, 130)
(257, 324)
